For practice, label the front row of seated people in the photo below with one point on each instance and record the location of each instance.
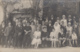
(57, 37)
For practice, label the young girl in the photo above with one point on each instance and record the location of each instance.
(69, 33)
(74, 38)
(53, 37)
(36, 40)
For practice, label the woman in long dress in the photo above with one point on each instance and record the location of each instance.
(57, 27)
(37, 38)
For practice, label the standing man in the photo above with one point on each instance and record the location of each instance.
(2, 33)
(53, 20)
(69, 20)
(6, 34)
(63, 23)
(16, 33)
(20, 35)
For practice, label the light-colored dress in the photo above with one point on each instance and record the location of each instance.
(36, 39)
(54, 36)
(63, 22)
(69, 29)
(74, 37)
(57, 28)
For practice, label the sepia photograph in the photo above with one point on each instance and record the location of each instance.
(39, 25)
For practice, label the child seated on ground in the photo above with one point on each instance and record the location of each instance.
(74, 39)
(37, 38)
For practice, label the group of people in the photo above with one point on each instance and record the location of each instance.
(48, 32)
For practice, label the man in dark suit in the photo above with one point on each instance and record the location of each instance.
(7, 33)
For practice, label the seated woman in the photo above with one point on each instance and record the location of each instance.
(74, 38)
(54, 38)
(36, 40)
(44, 36)
(62, 38)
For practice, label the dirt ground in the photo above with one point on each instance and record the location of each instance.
(64, 49)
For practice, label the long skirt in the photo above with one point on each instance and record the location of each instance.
(36, 41)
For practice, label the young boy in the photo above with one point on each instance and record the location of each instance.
(74, 38)
(36, 40)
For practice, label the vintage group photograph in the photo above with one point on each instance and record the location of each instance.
(39, 24)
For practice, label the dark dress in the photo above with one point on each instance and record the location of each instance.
(49, 29)
(18, 36)
(44, 35)
(53, 21)
(27, 37)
